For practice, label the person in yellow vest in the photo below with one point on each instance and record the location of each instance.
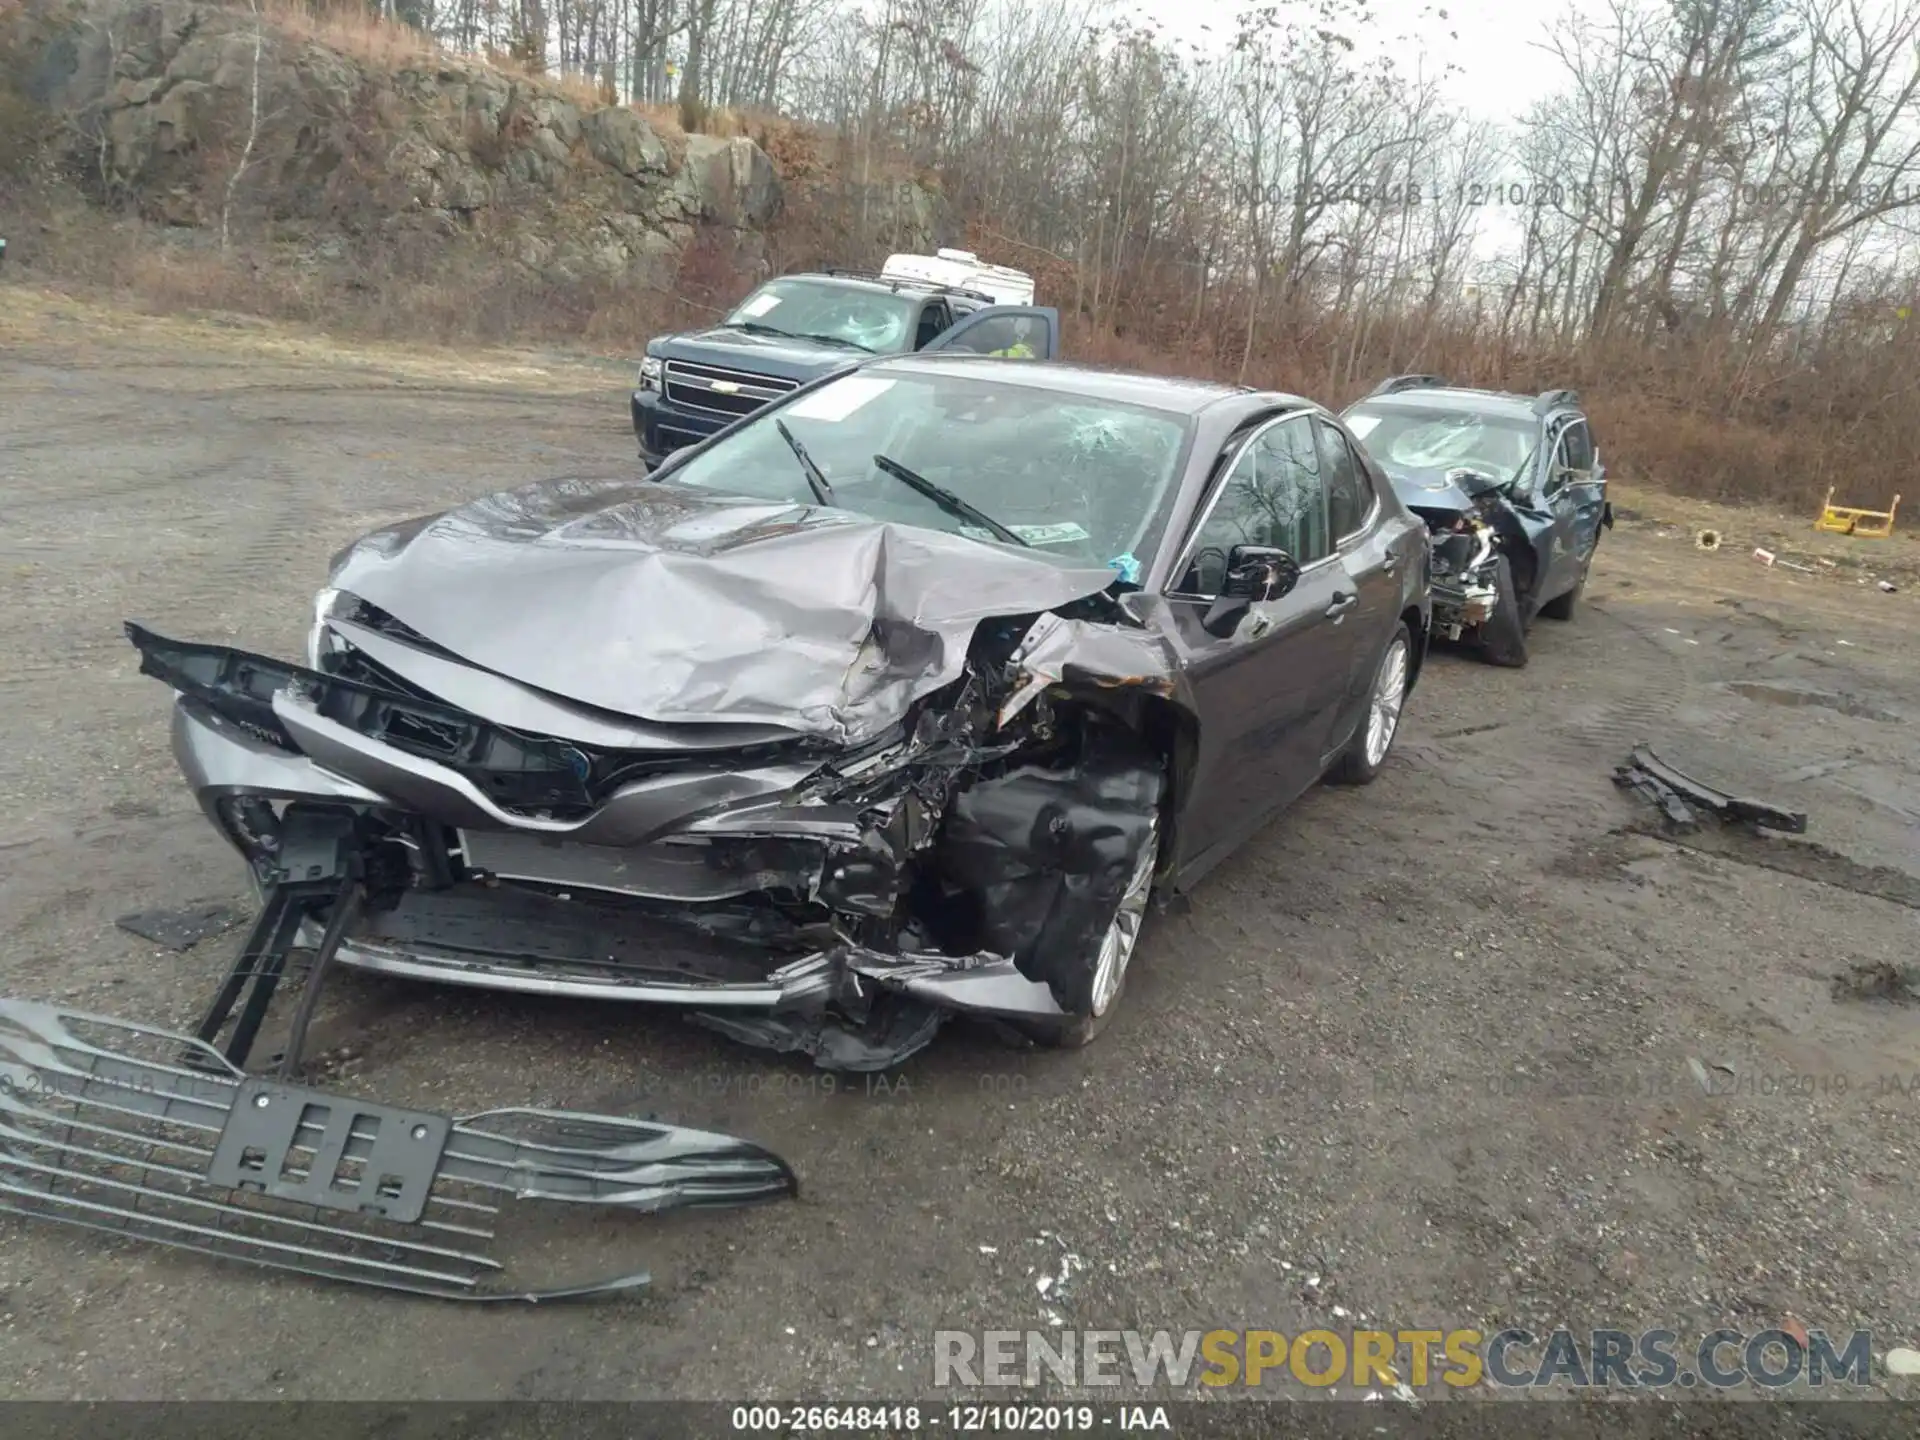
(1019, 349)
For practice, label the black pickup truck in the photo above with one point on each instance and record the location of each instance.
(800, 327)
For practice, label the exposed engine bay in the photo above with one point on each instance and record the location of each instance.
(1466, 547)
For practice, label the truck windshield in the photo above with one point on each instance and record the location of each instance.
(1087, 481)
(874, 320)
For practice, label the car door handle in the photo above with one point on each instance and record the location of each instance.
(1342, 602)
(1389, 561)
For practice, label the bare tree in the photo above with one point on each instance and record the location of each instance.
(1857, 82)
(253, 124)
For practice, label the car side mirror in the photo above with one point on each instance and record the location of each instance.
(1260, 572)
(1254, 573)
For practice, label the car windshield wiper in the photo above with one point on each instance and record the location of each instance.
(754, 327)
(836, 340)
(948, 501)
(816, 482)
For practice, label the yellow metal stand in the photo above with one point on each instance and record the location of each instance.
(1847, 520)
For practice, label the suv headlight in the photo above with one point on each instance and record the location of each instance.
(650, 369)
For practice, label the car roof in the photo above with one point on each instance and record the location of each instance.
(1099, 382)
(1503, 403)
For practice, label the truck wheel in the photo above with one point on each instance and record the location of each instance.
(1503, 634)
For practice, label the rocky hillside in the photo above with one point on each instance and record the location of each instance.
(220, 121)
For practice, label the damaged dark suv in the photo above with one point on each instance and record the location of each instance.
(1515, 494)
(898, 699)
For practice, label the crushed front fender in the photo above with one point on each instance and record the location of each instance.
(139, 1132)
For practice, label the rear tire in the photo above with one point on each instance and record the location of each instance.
(1373, 738)
(1503, 634)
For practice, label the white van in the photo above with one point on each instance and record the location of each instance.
(966, 270)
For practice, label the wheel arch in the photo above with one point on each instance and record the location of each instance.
(1420, 627)
(1171, 732)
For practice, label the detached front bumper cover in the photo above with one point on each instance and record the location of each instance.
(135, 1131)
(1678, 794)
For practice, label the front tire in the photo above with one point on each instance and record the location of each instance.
(1503, 634)
(1373, 738)
(1108, 961)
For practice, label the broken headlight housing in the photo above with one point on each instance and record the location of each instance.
(327, 605)
(650, 371)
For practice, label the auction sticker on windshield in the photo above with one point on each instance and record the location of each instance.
(759, 305)
(1361, 424)
(1064, 534)
(840, 399)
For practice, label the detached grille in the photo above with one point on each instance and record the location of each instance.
(141, 1133)
(722, 392)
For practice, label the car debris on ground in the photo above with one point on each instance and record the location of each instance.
(184, 926)
(1769, 559)
(1879, 980)
(1678, 796)
(135, 1131)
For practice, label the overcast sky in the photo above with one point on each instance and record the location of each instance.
(1501, 70)
(1486, 57)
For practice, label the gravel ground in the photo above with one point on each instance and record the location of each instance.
(1426, 1043)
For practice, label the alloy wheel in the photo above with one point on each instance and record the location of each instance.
(1116, 947)
(1389, 693)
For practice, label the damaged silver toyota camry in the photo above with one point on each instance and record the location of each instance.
(896, 699)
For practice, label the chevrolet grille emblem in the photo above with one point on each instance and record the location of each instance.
(725, 387)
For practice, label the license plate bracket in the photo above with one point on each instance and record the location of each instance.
(324, 1149)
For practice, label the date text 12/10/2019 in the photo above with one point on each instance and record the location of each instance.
(959, 1419)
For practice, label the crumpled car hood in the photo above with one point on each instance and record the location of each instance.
(677, 605)
(1428, 490)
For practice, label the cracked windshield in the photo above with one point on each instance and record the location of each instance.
(870, 319)
(1086, 482)
(1445, 440)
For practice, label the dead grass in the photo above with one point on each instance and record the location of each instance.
(78, 322)
(423, 288)
(582, 90)
(353, 29)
